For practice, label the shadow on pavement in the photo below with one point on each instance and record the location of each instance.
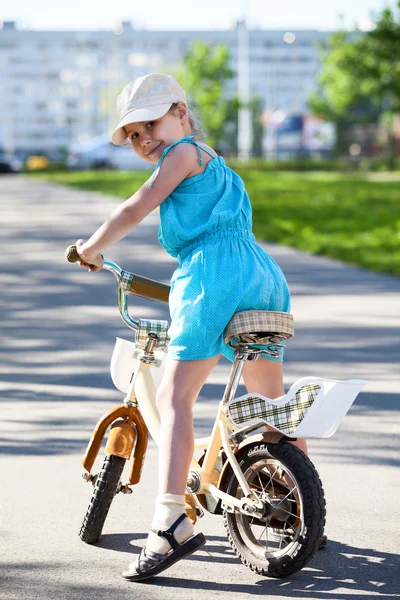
(43, 447)
(217, 552)
(58, 329)
(340, 570)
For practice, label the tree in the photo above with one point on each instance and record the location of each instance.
(203, 76)
(360, 77)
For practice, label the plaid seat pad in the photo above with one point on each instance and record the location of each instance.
(246, 321)
(147, 326)
(285, 418)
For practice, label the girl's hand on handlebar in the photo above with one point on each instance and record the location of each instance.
(93, 262)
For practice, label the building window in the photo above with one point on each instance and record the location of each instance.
(138, 59)
(86, 60)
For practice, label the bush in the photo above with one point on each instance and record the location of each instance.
(346, 216)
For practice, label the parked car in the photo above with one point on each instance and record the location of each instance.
(36, 162)
(10, 163)
(100, 153)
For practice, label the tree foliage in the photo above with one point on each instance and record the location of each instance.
(360, 77)
(204, 75)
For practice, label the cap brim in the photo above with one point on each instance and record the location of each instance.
(149, 113)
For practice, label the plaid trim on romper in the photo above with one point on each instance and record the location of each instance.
(286, 418)
(146, 326)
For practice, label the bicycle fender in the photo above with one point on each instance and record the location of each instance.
(270, 437)
(121, 439)
(94, 445)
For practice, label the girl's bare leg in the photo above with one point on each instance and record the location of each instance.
(180, 386)
(266, 377)
(179, 389)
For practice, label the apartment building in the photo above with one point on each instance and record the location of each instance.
(57, 87)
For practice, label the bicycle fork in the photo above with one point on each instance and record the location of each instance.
(127, 428)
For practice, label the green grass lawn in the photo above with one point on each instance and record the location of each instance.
(344, 216)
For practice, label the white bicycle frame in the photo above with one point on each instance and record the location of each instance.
(142, 392)
(132, 371)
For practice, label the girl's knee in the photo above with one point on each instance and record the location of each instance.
(171, 400)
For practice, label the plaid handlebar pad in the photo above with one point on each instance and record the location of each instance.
(286, 418)
(146, 326)
(126, 281)
(247, 321)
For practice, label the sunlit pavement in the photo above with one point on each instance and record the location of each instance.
(58, 329)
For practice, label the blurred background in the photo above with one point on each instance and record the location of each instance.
(278, 81)
(302, 100)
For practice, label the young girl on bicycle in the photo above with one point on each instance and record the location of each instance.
(206, 223)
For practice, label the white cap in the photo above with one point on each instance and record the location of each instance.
(147, 98)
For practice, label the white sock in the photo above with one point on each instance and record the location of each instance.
(168, 508)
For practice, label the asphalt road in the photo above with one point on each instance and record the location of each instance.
(58, 325)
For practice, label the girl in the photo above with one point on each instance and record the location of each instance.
(205, 222)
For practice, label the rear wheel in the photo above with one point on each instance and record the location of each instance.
(287, 537)
(105, 488)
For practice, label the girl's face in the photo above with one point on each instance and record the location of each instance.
(150, 138)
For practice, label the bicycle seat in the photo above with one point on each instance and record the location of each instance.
(260, 327)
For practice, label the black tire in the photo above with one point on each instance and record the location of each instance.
(104, 490)
(293, 530)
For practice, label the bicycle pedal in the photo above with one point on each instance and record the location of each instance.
(89, 478)
(125, 489)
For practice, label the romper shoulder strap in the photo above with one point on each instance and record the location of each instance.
(188, 140)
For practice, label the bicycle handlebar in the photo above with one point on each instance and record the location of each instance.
(71, 254)
(128, 283)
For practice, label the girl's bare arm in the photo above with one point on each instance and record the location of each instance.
(176, 166)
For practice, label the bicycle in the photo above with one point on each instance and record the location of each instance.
(267, 490)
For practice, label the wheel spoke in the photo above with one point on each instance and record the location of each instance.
(281, 537)
(271, 481)
(286, 497)
(260, 536)
(289, 513)
(262, 487)
(280, 542)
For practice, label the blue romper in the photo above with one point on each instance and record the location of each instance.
(206, 223)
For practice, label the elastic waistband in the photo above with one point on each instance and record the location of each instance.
(228, 233)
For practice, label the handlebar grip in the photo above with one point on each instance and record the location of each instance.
(71, 254)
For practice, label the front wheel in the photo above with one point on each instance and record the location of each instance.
(287, 537)
(105, 488)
